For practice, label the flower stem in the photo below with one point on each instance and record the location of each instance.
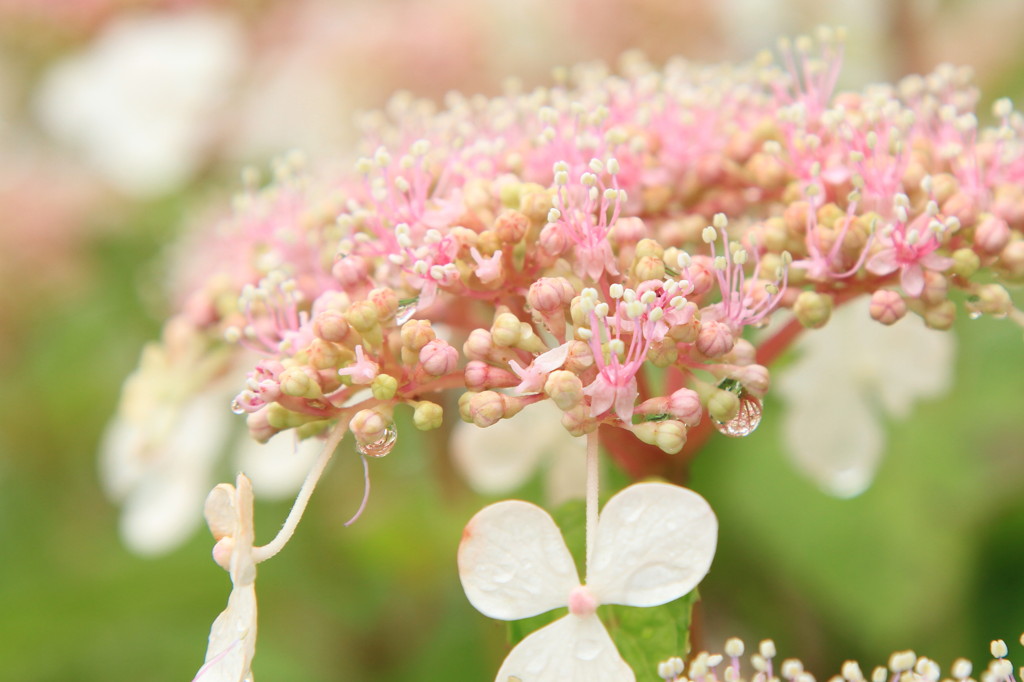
(270, 549)
(592, 490)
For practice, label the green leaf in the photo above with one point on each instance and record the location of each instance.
(645, 636)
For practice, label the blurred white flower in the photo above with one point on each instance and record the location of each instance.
(502, 457)
(850, 376)
(161, 451)
(140, 104)
(653, 543)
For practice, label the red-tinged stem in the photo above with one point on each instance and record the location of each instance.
(771, 349)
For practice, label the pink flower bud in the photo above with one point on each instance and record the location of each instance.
(550, 294)
(259, 428)
(701, 275)
(330, 325)
(479, 345)
(628, 231)
(755, 379)
(351, 271)
(385, 301)
(416, 334)
(684, 404)
(439, 358)
(481, 376)
(887, 306)
(368, 426)
(511, 226)
(580, 357)
(935, 288)
(991, 234)
(553, 239)
(714, 339)
(486, 408)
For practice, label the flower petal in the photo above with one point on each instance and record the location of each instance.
(836, 439)
(501, 457)
(654, 542)
(571, 649)
(232, 639)
(278, 467)
(513, 562)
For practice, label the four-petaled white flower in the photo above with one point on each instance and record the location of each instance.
(233, 635)
(653, 543)
(848, 377)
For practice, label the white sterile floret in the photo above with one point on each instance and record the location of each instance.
(653, 543)
(233, 634)
(834, 429)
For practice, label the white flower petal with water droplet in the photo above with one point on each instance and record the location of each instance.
(513, 562)
(571, 649)
(654, 542)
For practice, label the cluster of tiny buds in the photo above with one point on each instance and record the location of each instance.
(903, 666)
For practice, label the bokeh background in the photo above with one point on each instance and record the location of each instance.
(123, 122)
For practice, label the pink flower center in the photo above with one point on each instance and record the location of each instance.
(581, 602)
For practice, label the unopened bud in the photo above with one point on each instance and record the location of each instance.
(300, 383)
(812, 309)
(363, 316)
(427, 415)
(564, 388)
(385, 301)
(439, 358)
(940, 316)
(506, 330)
(887, 306)
(330, 325)
(511, 226)
(723, 405)
(991, 234)
(668, 435)
(486, 408)
(965, 263)
(684, 404)
(384, 387)
(649, 267)
(714, 339)
(416, 334)
(550, 294)
(368, 426)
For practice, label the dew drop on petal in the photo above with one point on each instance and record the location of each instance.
(974, 314)
(745, 421)
(236, 407)
(406, 309)
(382, 446)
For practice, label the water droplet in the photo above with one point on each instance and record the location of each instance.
(745, 421)
(974, 314)
(384, 445)
(236, 407)
(588, 649)
(406, 309)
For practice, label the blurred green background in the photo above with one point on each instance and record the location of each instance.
(929, 558)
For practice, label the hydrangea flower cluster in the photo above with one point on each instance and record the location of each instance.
(634, 249)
